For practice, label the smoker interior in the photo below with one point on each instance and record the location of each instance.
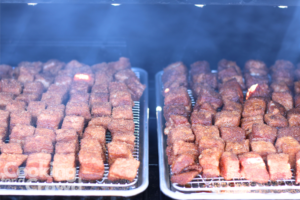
(152, 36)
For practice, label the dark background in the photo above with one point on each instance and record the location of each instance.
(152, 36)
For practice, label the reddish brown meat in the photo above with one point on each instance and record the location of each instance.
(227, 118)
(123, 169)
(284, 98)
(263, 132)
(184, 178)
(208, 142)
(253, 107)
(293, 117)
(276, 120)
(263, 148)
(201, 131)
(230, 166)
(279, 167)
(237, 147)
(232, 134)
(290, 131)
(275, 108)
(256, 68)
(209, 161)
(289, 146)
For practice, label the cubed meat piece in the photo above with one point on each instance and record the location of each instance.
(85, 77)
(229, 73)
(35, 108)
(9, 165)
(202, 117)
(100, 121)
(290, 131)
(5, 98)
(74, 122)
(209, 95)
(225, 64)
(170, 110)
(206, 78)
(103, 88)
(181, 162)
(117, 150)
(52, 98)
(280, 87)
(258, 90)
(297, 100)
(253, 167)
(227, 118)
(209, 161)
(275, 108)
(99, 98)
(128, 138)
(201, 131)
(28, 97)
(64, 168)
(11, 148)
(122, 63)
(293, 117)
(79, 109)
(180, 133)
(263, 148)
(122, 112)
(15, 105)
(52, 66)
(48, 119)
(290, 146)
(11, 86)
(45, 79)
(121, 125)
(230, 166)
(178, 96)
(135, 87)
(181, 147)
(19, 117)
(256, 68)
(80, 97)
(58, 109)
(297, 168)
(5, 71)
(38, 144)
(279, 167)
(253, 107)
(92, 145)
(175, 121)
(120, 98)
(102, 109)
(58, 89)
(20, 132)
(30, 67)
(95, 132)
(252, 80)
(117, 86)
(184, 178)
(74, 65)
(207, 142)
(38, 166)
(263, 132)
(233, 106)
(237, 148)
(283, 64)
(45, 133)
(276, 120)
(104, 77)
(232, 134)
(175, 75)
(66, 147)
(284, 98)
(66, 135)
(91, 165)
(34, 87)
(283, 75)
(80, 86)
(123, 168)
(63, 80)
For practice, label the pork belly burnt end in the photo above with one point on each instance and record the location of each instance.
(52, 66)
(202, 117)
(15, 105)
(122, 112)
(233, 106)
(5, 98)
(36, 108)
(232, 134)
(91, 165)
(20, 117)
(290, 131)
(66, 147)
(209, 95)
(34, 87)
(9, 165)
(170, 110)
(253, 107)
(79, 109)
(275, 108)
(181, 162)
(207, 142)
(52, 98)
(279, 167)
(175, 121)
(135, 88)
(123, 169)
(256, 68)
(11, 86)
(64, 168)
(120, 98)
(227, 118)
(230, 166)
(201, 131)
(100, 121)
(293, 117)
(290, 146)
(11, 148)
(263, 132)
(101, 109)
(38, 166)
(178, 96)
(38, 144)
(96, 132)
(121, 126)
(277, 120)
(20, 132)
(180, 133)
(184, 177)
(231, 91)
(48, 119)
(209, 161)
(80, 97)
(253, 167)
(284, 98)
(117, 150)
(74, 122)
(252, 80)
(237, 148)
(99, 98)
(66, 135)
(263, 148)
(180, 148)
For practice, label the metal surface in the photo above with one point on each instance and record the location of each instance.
(213, 188)
(104, 187)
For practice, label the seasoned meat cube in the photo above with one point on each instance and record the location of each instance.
(52, 98)
(33, 87)
(66, 147)
(48, 119)
(227, 72)
(252, 80)
(230, 166)
(11, 86)
(275, 108)
(180, 133)
(25, 77)
(297, 100)
(208, 107)
(283, 75)
(184, 178)
(5, 98)
(284, 98)
(95, 132)
(205, 78)
(225, 64)
(209, 95)
(263, 132)
(66, 135)
(170, 110)
(181, 147)
(99, 98)
(253, 167)
(103, 67)
(123, 168)
(121, 125)
(63, 80)
(280, 87)
(263, 148)
(232, 134)
(227, 118)
(256, 68)
(5, 71)
(290, 131)
(253, 107)
(52, 66)
(74, 122)
(28, 97)
(58, 89)
(50, 134)
(85, 77)
(38, 166)
(297, 168)
(290, 146)
(19, 117)
(276, 120)
(78, 109)
(102, 77)
(80, 86)
(100, 121)
(175, 75)
(102, 109)
(122, 63)
(175, 121)
(135, 87)
(11, 148)
(178, 96)
(297, 87)
(92, 145)
(45, 79)
(91, 165)
(117, 86)
(20, 132)
(233, 106)
(38, 144)
(238, 147)
(231, 91)
(74, 65)
(258, 90)
(202, 117)
(181, 162)
(15, 105)
(293, 117)
(278, 166)
(124, 74)
(128, 138)
(9, 165)
(30, 67)
(122, 112)
(209, 161)
(208, 142)
(120, 98)
(201, 131)
(177, 67)
(103, 88)
(58, 109)
(35, 108)
(64, 168)
(117, 150)
(200, 67)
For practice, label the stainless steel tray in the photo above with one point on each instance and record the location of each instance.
(104, 187)
(213, 188)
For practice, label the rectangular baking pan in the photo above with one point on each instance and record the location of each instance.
(104, 187)
(213, 188)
